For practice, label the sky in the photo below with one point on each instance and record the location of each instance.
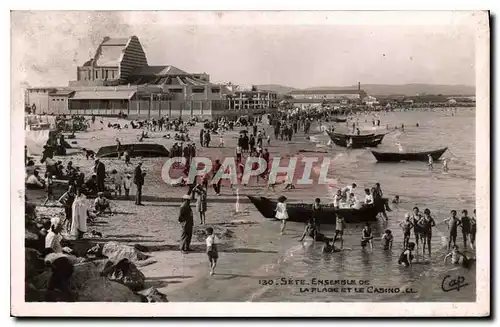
(292, 49)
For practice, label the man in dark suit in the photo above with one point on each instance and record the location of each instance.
(138, 181)
(100, 171)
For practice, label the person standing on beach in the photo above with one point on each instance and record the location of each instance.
(281, 213)
(201, 202)
(100, 171)
(186, 221)
(67, 200)
(79, 215)
(139, 182)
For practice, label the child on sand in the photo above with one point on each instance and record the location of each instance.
(117, 182)
(212, 253)
(49, 187)
(281, 213)
(221, 140)
(127, 184)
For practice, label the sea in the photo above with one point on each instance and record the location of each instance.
(301, 272)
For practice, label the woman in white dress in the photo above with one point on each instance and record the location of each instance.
(281, 213)
(79, 217)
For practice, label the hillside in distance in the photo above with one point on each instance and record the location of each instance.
(280, 89)
(409, 89)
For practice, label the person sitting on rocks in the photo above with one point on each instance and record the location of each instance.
(88, 153)
(101, 203)
(90, 186)
(35, 181)
(54, 237)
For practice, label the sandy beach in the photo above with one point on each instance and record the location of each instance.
(182, 277)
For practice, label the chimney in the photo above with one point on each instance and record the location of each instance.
(359, 86)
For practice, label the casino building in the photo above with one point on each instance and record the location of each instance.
(317, 97)
(118, 79)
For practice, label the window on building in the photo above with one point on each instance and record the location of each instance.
(112, 74)
(106, 74)
(198, 90)
(214, 90)
(176, 90)
(96, 74)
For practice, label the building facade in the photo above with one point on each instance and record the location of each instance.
(118, 79)
(318, 97)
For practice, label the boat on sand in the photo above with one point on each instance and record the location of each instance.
(408, 156)
(302, 212)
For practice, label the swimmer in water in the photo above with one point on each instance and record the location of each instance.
(457, 257)
(339, 231)
(453, 223)
(466, 227)
(445, 165)
(396, 199)
(406, 256)
(427, 222)
(430, 162)
(387, 240)
(473, 231)
(367, 236)
(406, 225)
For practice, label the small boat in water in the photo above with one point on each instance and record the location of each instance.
(302, 212)
(135, 150)
(408, 156)
(358, 141)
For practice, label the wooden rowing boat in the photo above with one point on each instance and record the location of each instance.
(408, 156)
(358, 141)
(135, 150)
(302, 212)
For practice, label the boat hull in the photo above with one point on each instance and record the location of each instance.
(416, 156)
(358, 141)
(136, 150)
(302, 212)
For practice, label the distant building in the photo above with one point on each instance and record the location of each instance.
(317, 97)
(118, 79)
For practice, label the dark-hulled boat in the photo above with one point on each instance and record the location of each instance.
(302, 212)
(408, 156)
(339, 120)
(358, 141)
(135, 150)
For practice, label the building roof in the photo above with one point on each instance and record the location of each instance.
(115, 41)
(61, 92)
(103, 95)
(167, 70)
(170, 78)
(327, 91)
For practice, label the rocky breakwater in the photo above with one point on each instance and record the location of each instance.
(105, 272)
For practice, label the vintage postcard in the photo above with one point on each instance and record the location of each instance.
(250, 163)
